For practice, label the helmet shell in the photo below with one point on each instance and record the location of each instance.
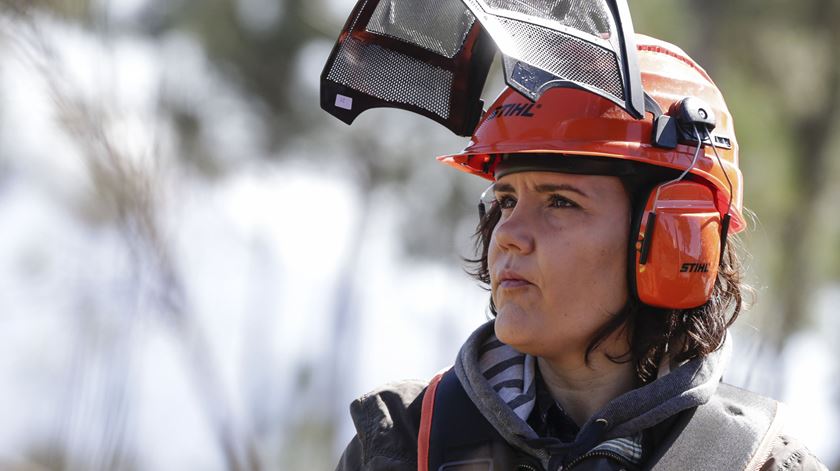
(574, 122)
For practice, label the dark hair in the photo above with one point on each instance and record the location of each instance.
(684, 334)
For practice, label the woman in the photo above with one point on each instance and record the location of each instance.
(604, 248)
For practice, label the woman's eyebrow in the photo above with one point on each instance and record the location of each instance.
(503, 188)
(552, 187)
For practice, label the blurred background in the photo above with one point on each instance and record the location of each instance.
(200, 269)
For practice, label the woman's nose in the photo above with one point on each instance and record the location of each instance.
(516, 231)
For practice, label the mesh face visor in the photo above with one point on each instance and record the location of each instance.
(432, 56)
(426, 56)
(586, 44)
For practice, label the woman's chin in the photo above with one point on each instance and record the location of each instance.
(513, 327)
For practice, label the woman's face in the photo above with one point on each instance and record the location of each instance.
(558, 259)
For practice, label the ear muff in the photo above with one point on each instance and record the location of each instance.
(676, 247)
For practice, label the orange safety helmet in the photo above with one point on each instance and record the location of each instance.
(582, 85)
(679, 233)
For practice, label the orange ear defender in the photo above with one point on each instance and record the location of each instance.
(677, 246)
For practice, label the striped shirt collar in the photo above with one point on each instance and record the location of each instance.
(516, 379)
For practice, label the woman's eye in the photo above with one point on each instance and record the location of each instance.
(557, 201)
(506, 201)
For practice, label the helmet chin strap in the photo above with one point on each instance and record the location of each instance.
(645, 249)
(651, 220)
(725, 220)
(724, 230)
(685, 172)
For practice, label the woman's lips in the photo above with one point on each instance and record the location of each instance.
(513, 283)
(509, 279)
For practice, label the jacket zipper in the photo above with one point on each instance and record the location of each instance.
(529, 464)
(602, 453)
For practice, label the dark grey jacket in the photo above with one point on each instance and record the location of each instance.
(387, 419)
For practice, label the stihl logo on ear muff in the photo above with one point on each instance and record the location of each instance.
(694, 268)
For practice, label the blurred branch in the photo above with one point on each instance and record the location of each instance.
(78, 9)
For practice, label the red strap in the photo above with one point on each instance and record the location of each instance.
(426, 424)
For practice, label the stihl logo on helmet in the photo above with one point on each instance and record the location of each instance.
(514, 109)
(694, 268)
